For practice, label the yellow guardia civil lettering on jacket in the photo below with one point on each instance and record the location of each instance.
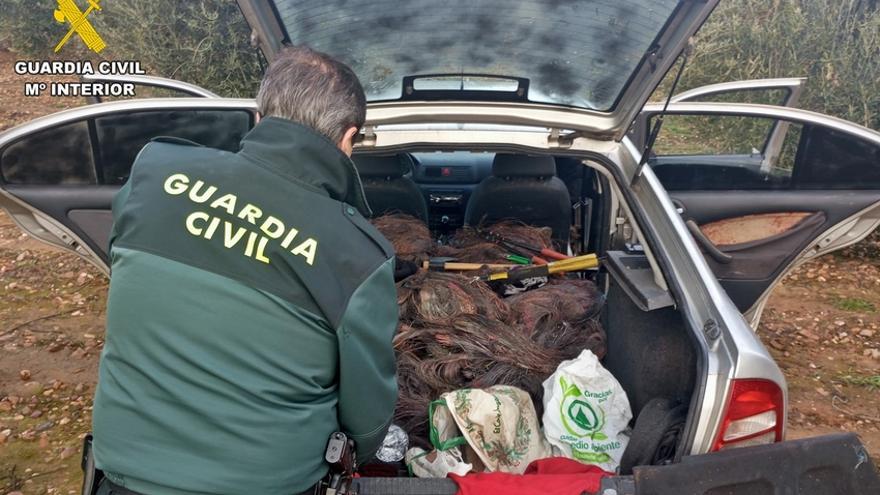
(253, 238)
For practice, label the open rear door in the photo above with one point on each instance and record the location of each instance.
(58, 174)
(758, 211)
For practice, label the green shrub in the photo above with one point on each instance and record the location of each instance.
(834, 43)
(204, 42)
(28, 28)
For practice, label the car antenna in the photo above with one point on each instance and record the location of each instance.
(655, 130)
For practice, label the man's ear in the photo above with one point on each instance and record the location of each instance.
(257, 118)
(347, 141)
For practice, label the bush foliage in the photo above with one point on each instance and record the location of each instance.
(204, 42)
(835, 43)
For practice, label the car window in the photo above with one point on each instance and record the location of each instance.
(74, 154)
(58, 155)
(712, 152)
(836, 160)
(700, 152)
(711, 135)
(121, 136)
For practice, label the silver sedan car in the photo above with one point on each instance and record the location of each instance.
(695, 221)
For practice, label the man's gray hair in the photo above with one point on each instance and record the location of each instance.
(313, 89)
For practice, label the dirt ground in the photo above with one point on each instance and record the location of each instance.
(821, 325)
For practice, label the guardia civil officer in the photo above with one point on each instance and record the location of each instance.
(251, 305)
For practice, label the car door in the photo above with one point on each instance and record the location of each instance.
(58, 174)
(757, 213)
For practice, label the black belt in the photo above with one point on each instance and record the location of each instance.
(115, 489)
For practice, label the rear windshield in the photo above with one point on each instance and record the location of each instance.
(578, 53)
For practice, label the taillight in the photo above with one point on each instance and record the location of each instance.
(755, 415)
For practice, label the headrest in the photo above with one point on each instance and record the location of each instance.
(383, 166)
(507, 165)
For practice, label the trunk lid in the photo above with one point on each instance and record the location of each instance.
(600, 57)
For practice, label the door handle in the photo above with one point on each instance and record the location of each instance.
(704, 242)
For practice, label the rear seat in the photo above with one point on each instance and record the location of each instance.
(523, 188)
(388, 185)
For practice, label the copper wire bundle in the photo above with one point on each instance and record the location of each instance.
(469, 351)
(411, 411)
(483, 252)
(522, 348)
(562, 315)
(436, 297)
(409, 235)
(456, 332)
(468, 244)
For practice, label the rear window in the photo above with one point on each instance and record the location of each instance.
(121, 136)
(836, 160)
(58, 155)
(74, 154)
(572, 53)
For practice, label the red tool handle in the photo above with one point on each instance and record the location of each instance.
(556, 255)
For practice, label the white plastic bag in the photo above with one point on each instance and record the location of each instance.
(436, 463)
(586, 412)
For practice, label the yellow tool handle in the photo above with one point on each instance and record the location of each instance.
(574, 264)
(452, 266)
(569, 265)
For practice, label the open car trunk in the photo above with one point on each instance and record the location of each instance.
(650, 351)
(645, 342)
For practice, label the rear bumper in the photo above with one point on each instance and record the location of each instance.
(831, 464)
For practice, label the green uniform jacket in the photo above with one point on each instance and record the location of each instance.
(250, 315)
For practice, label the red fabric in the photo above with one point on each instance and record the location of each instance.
(555, 475)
